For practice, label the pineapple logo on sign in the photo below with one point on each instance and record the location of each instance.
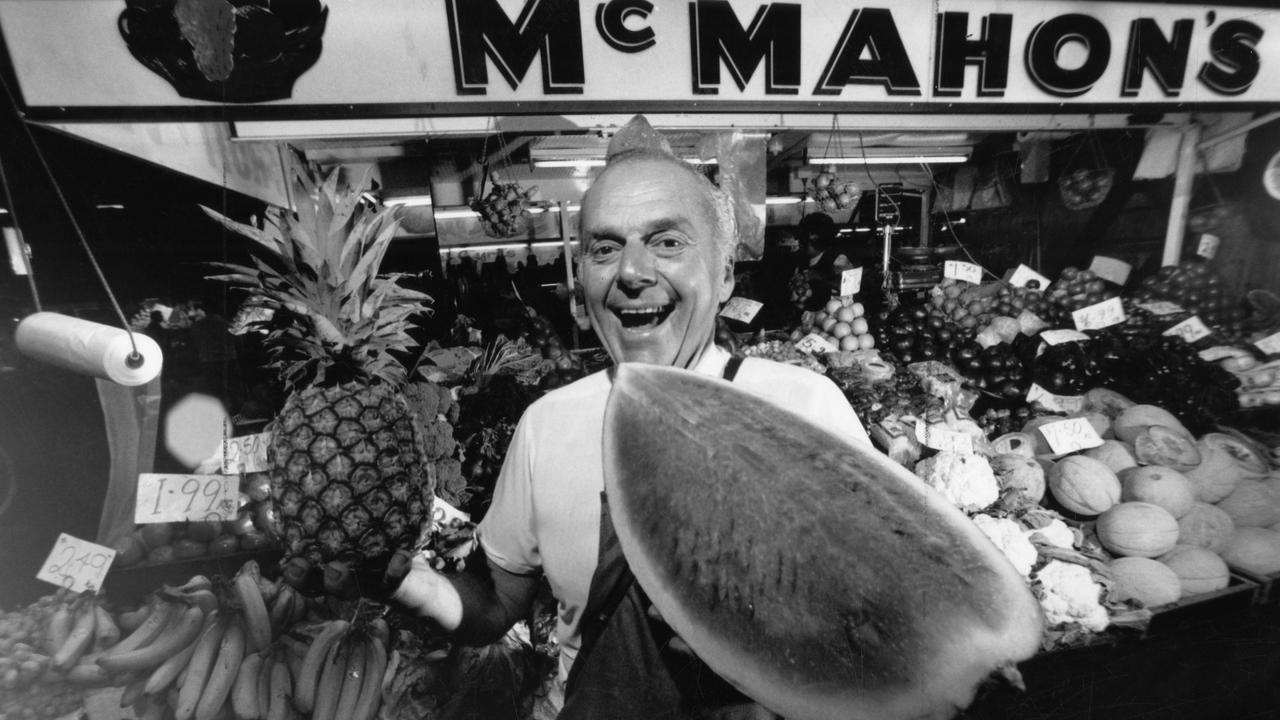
(252, 51)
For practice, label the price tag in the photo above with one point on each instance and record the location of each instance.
(1208, 246)
(176, 498)
(961, 270)
(1162, 307)
(442, 512)
(851, 282)
(944, 440)
(1023, 275)
(246, 454)
(1099, 315)
(815, 343)
(1057, 337)
(1191, 329)
(1070, 435)
(76, 564)
(1055, 403)
(741, 309)
(1111, 269)
(1269, 344)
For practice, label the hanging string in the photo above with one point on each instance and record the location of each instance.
(134, 360)
(22, 244)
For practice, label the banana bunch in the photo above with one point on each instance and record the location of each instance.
(75, 634)
(343, 672)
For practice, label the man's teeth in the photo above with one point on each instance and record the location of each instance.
(643, 316)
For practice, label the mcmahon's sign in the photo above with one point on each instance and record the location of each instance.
(369, 57)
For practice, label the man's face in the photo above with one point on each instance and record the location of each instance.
(652, 271)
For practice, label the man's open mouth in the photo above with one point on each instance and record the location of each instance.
(636, 318)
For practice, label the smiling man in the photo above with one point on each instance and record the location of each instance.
(658, 242)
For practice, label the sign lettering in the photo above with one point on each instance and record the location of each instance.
(245, 454)
(75, 564)
(1191, 329)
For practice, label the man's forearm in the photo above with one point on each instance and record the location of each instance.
(477, 606)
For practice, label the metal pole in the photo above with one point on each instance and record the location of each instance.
(1182, 185)
(567, 249)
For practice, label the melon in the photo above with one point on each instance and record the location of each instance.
(1040, 444)
(1253, 550)
(1252, 504)
(1115, 454)
(764, 539)
(1020, 474)
(1107, 402)
(1160, 445)
(1083, 485)
(1148, 581)
(1134, 419)
(1206, 526)
(1137, 529)
(1215, 476)
(1018, 443)
(1247, 454)
(1198, 570)
(1157, 485)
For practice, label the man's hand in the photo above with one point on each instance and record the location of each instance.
(349, 579)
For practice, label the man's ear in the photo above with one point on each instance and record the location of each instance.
(727, 281)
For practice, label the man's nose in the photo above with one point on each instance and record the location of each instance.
(636, 268)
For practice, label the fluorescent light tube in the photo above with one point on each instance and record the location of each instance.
(580, 163)
(408, 200)
(784, 200)
(505, 246)
(456, 214)
(891, 160)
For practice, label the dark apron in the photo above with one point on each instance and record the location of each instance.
(625, 669)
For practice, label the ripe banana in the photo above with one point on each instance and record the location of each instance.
(181, 631)
(197, 582)
(332, 679)
(205, 599)
(133, 692)
(169, 670)
(223, 675)
(88, 675)
(256, 620)
(375, 664)
(284, 608)
(279, 707)
(352, 679)
(198, 670)
(105, 633)
(268, 588)
(129, 620)
(58, 628)
(304, 695)
(149, 708)
(148, 631)
(393, 665)
(80, 639)
(244, 691)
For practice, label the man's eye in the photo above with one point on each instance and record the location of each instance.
(603, 250)
(669, 243)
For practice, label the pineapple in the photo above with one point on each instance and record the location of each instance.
(349, 476)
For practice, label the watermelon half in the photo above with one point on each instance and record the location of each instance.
(816, 575)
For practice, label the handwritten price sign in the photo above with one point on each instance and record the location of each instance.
(1099, 315)
(76, 564)
(1162, 307)
(1191, 329)
(1024, 275)
(815, 343)
(1057, 337)
(248, 453)
(1270, 344)
(741, 309)
(944, 440)
(851, 282)
(962, 271)
(1070, 435)
(1111, 269)
(176, 498)
(1054, 403)
(1208, 246)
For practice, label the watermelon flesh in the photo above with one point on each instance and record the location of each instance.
(819, 577)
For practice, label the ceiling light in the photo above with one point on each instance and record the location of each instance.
(784, 200)
(111, 206)
(408, 200)
(891, 160)
(574, 163)
(505, 246)
(456, 213)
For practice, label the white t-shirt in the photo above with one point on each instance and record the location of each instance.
(546, 506)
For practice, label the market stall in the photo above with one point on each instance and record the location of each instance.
(1032, 246)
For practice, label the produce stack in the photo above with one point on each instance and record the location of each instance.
(842, 323)
(42, 650)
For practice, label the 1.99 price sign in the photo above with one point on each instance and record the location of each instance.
(178, 498)
(77, 565)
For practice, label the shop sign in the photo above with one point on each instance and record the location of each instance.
(382, 57)
(75, 564)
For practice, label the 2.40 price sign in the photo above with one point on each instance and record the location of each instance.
(75, 564)
(178, 498)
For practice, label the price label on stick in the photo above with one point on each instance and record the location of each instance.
(1191, 329)
(851, 282)
(815, 343)
(1023, 275)
(944, 440)
(247, 453)
(76, 564)
(1057, 337)
(177, 498)
(1054, 403)
(1111, 269)
(1099, 315)
(1208, 246)
(1070, 435)
(741, 309)
(1162, 307)
(1269, 344)
(961, 270)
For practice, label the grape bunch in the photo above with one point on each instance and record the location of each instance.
(24, 665)
(41, 701)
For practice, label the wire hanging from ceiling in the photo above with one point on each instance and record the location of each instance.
(13, 212)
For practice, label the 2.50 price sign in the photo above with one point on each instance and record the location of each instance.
(178, 498)
(76, 564)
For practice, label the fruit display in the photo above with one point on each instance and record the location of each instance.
(504, 210)
(1201, 291)
(842, 323)
(348, 477)
(928, 633)
(831, 193)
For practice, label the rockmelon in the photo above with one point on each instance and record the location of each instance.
(1148, 581)
(1108, 402)
(1253, 550)
(1199, 570)
(1020, 474)
(1206, 526)
(1137, 529)
(1017, 443)
(1215, 476)
(1083, 485)
(1134, 419)
(1252, 504)
(813, 573)
(1160, 445)
(1247, 454)
(1157, 485)
(1115, 454)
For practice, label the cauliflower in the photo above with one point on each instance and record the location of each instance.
(1069, 594)
(1056, 533)
(965, 480)
(1010, 540)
